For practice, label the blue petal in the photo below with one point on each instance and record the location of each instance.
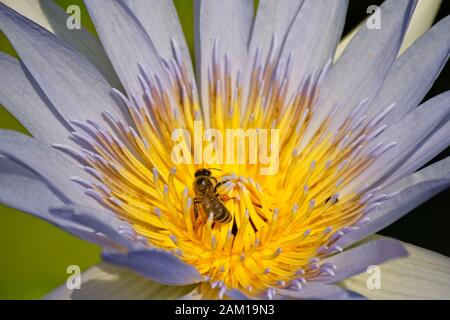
(160, 20)
(313, 37)
(407, 134)
(362, 68)
(23, 190)
(227, 25)
(356, 260)
(273, 19)
(71, 83)
(102, 221)
(319, 291)
(156, 265)
(413, 190)
(48, 164)
(309, 291)
(126, 43)
(52, 17)
(433, 145)
(413, 73)
(28, 105)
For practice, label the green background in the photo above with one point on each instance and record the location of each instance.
(33, 254)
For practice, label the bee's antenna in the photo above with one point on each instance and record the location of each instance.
(214, 169)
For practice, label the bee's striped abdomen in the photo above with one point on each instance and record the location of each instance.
(217, 208)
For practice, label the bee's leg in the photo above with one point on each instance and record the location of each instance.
(196, 203)
(199, 214)
(224, 197)
(195, 210)
(219, 184)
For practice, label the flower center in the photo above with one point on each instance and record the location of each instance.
(244, 229)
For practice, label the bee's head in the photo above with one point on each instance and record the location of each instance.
(203, 172)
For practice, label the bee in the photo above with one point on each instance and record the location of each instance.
(329, 198)
(205, 188)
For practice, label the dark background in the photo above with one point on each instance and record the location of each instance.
(427, 226)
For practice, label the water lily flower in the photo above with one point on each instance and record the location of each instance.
(353, 136)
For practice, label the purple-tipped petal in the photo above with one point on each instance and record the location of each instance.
(309, 291)
(407, 134)
(318, 291)
(273, 19)
(413, 190)
(413, 73)
(313, 37)
(236, 295)
(160, 20)
(362, 68)
(434, 144)
(126, 43)
(223, 27)
(102, 221)
(23, 190)
(48, 164)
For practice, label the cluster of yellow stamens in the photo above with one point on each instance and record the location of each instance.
(282, 225)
